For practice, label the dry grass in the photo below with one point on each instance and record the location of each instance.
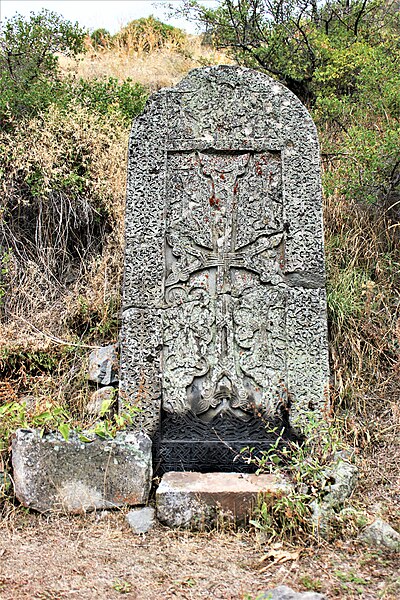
(157, 69)
(98, 557)
(66, 256)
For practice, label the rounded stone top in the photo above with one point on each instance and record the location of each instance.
(232, 103)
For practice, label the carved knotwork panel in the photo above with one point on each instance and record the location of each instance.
(224, 321)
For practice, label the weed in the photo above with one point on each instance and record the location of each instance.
(121, 586)
(311, 584)
(305, 462)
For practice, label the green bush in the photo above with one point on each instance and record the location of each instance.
(127, 99)
(29, 74)
(100, 38)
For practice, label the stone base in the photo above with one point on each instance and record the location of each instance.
(204, 500)
(52, 474)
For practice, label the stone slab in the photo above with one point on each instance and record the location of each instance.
(224, 322)
(201, 500)
(54, 475)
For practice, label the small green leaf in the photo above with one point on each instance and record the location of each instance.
(64, 430)
(83, 438)
(105, 406)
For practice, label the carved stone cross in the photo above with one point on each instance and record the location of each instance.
(224, 323)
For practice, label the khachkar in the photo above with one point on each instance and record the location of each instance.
(224, 320)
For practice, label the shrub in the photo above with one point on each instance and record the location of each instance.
(126, 99)
(100, 38)
(29, 79)
(148, 34)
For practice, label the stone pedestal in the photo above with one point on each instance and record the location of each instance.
(204, 500)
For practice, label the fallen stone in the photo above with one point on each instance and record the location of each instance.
(381, 534)
(103, 365)
(97, 399)
(340, 482)
(51, 474)
(141, 520)
(202, 500)
(286, 593)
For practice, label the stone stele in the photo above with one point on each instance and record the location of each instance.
(224, 310)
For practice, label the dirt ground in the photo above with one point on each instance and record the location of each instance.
(98, 557)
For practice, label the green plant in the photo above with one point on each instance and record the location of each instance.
(121, 586)
(304, 44)
(126, 99)
(304, 462)
(100, 38)
(310, 583)
(29, 76)
(109, 424)
(15, 415)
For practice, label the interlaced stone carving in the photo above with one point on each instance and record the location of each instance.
(224, 305)
(225, 238)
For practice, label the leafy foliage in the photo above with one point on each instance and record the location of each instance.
(302, 43)
(28, 60)
(100, 38)
(126, 99)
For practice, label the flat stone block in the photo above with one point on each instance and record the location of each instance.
(51, 474)
(201, 500)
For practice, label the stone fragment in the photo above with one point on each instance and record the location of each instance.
(224, 325)
(95, 404)
(382, 535)
(201, 500)
(286, 593)
(141, 520)
(51, 474)
(340, 482)
(103, 365)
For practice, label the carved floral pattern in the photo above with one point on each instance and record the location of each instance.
(223, 350)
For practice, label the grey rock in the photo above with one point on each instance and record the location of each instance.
(286, 593)
(141, 520)
(340, 482)
(51, 474)
(97, 398)
(103, 365)
(224, 302)
(382, 535)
